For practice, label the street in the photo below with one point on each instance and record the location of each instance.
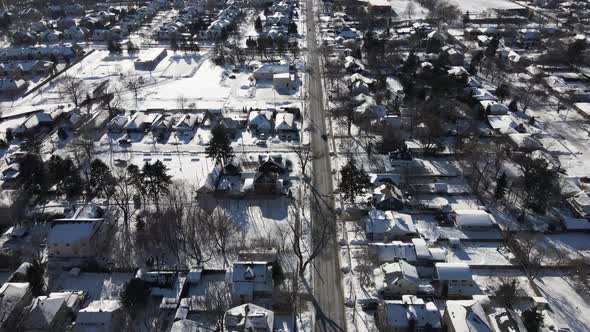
(329, 301)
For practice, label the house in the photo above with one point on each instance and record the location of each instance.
(52, 312)
(353, 65)
(117, 124)
(580, 204)
(102, 315)
(466, 315)
(490, 107)
(260, 122)
(455, 279)
(231, 125)
(75, 33)
(77, 238)
(140, 122)
(162, 125)
(14, 296)
(452, 56)
(284, 81)
(408, 315)
(396, 279)
(186, 123)
(389, 225)
(268, 71)
(474, 220)
(12, 88)
(379, 7)
(388, 197)
(249, 318)
(251, 280)
(285, 126)
(22, 68)
(24, 37)
(150, 58)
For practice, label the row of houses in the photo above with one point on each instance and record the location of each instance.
(276, 26)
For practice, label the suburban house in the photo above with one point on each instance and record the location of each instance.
(103, 315)
(387, 196)
(408, 315)
(12, 88)
(117, 124)
(149, 59)
(75, 238)
(416, 252)
(53, 312)
(389, 225)
(162, 125)
(474, 220)
(140, 122)
(399, 278)
(260, 122)
(286, 127)
(249, 318)
(186, 123)
(466, 315)
(379, 7)
(452, 56)
(455, 280)
(25, 68)
(251, 280)
(14, 296)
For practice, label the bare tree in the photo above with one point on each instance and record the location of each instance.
(134, 84)
(304, 156)
(222, 230)
(308, 239)
(73, 87)
(217, 301)
(527, 252)
(123, 194)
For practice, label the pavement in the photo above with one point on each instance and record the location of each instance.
(327, 286)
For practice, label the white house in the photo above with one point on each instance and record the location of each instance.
(267, 71)
(455, 279)
(251, 280)
(249, 318)
(408, 315)
(389, 225)
(14, 296)
(397, 278)
(52, 312)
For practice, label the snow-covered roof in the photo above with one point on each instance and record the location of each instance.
(467, 315)
(11, 294)
(473, 218)
(399, 314)
(98, 313)
(453, 271)
(251, 277)
(388, 252)
(285, 121)
(72, 232)
(272, 68)
(390, 222)
(261, 119)
(401, 267)
(249, 317)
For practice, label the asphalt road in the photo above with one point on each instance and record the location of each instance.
(329, 300)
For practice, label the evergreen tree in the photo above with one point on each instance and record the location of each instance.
(219, 148)
(174, 44)
(258, 24)
(100, 178)
(135, 292)
(35, 275)
(156, 180)
(503, 91)
(354, 181)
(293, 28)
(32, 173)
(513, 106)
(533, 320)
(501, 187)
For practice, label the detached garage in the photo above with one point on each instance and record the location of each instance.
(474, 220)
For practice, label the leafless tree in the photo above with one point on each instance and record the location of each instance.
(83, 151)
(123, 195)
(217, 301)
(527, 251)
(134, 84)
(222, 230)
(309, 239)
(304, 156)
(73, 87)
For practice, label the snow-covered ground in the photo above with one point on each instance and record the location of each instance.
(476, 6)
(568, 305)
